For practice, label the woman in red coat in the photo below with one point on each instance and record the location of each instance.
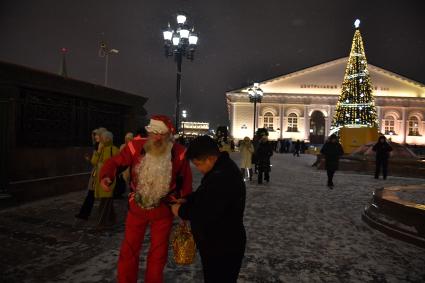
(158, 169)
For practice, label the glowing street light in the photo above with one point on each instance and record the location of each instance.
(180, 42)
(255, 95)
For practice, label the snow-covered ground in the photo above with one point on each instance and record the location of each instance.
(298, 231)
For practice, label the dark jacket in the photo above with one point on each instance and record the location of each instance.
(216, 209)
(332, 153)
(263, 153)
(382, 150)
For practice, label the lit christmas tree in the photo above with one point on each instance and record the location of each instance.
(356, 106)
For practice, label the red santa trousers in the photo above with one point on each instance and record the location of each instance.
(160, 220)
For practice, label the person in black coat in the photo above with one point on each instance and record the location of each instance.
(263, 153)
(297, 148)
(287, 145)
(281, 145)
(302, 150)
(382, 149)
(332, 150)
(215, 211)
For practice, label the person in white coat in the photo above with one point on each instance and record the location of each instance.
(246, 149)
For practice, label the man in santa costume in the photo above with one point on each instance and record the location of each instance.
(159, 169)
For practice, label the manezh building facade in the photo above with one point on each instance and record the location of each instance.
(301, 105)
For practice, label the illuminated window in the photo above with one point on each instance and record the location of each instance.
(292, 122)
(413, 126)
(268, 121)
(389, 125)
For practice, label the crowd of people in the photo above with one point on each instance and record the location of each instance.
(258, 155)
(154, 168)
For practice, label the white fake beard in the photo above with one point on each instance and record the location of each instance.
(156, 148)
(154, 177)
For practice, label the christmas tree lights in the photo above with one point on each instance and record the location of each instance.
(356, 106)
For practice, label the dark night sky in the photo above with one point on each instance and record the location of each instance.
(240, 42)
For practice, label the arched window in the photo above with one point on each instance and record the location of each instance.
(389, 123)
(268, 121)
(413, 126)
(292, 122)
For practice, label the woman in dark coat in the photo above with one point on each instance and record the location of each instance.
(332, 150)
(263, 153)
(382, 149)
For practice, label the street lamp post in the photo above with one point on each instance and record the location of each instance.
(180, 43)
(63, 71)
(104, 52)
(391, 135)
(255, 95)
(184, 116)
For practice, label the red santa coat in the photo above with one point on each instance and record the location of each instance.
(131, 155)
(160, 219)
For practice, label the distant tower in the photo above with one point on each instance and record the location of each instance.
(62, 71)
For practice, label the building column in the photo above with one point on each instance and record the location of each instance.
(328, 122)
(403, 124)
(281, 120)
(233, 119)
(283, 123)
(306, 123)
(379, 117)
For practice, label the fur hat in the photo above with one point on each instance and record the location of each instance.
(160, 124)
(99, 131)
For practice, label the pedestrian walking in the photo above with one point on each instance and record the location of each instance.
(281, 146)
(274, 145)
(287, 145)
(87, 206)
(254, 160)
(302, 147)
(332, 151)
(224, 145)
(263, 154)
(215, 211)
(297, 148)
(246, 149)
(159, 170)
(106, 150)
(123, 173)
(382, 149)
(128, 138)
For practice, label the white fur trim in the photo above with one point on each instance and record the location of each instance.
(157, 126)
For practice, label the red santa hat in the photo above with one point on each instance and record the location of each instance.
(160, 124)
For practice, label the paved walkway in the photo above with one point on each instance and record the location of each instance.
(298, 231)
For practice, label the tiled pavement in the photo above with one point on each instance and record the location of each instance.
(298, 231)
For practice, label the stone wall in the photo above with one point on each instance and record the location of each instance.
(46, 130)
